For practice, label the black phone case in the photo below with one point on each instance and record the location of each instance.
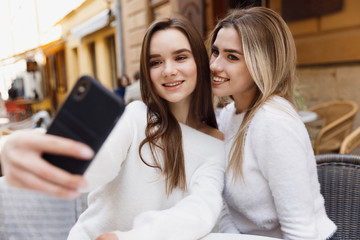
(88, 115)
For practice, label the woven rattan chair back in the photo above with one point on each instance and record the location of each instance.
(339, 177)
(337, 121)
(350, 142)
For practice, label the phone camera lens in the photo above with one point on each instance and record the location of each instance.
(81, 89)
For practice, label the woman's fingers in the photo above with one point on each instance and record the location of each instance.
(107, 236)
(58, 145)
(34, 182)
(52, 174)
(42, 176)
(24, 166)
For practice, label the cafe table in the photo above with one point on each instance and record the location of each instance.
(230, 236)
(308, 116)
(313, 123)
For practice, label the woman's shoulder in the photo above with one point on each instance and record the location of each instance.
(211, 131)
(136, 108)
(134, 114)
(277, 109)
(138, 105)
(277, 115)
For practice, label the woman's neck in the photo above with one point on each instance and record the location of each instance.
(245, 100)
(180, 110)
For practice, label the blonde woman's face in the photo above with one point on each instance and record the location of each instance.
(230, 75)
(172, 66)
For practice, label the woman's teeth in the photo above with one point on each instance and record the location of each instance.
(172, 84)
(218, 79)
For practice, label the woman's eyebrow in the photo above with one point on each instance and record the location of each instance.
(182, 50)
(175, 52)
(233, 51)
(228, 50)
(154, 55)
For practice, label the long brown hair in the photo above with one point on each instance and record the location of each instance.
(163, 131)
(270, 56)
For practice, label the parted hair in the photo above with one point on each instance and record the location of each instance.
(270, 55)
(163, 132)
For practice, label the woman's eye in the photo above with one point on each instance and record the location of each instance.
(154, 63)
(233, 58)
(214, 52)
(179, 58)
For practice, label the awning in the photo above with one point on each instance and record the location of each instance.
(93, 24)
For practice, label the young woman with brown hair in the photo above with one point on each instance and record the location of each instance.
(159, 175)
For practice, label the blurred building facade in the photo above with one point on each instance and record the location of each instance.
(328, 49)
(103, 38)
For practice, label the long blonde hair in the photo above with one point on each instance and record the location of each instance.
(270, 56)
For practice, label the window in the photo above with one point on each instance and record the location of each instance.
(75, 59)
(60, 72)
(112, 55)
(93, 58)
(296, 10)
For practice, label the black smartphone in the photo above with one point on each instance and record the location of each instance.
(88, 115)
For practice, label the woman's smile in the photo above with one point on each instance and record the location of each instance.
(219, 80)
(173, 84)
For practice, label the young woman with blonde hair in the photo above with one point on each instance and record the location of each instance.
(271, 185)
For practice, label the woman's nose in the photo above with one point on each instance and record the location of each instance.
(169, 70)
(215, 64)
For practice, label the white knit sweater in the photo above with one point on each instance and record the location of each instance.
(133, 202)
(279, 195)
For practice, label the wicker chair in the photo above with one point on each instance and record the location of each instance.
(350, 142)
(337, 121)
(29, 215)
(339, 177)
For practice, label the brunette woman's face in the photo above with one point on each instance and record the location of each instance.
(172, 66)
(230, 75)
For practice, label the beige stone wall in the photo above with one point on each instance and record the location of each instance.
(331, 38)
(328, 49)
(329, 83)
(135, 16)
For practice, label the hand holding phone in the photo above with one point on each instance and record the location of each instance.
(88, 115)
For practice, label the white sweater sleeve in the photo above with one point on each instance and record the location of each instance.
(192, 217)
(282, 151)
